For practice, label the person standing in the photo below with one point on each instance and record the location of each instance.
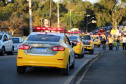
(117, 42)
(124, 42)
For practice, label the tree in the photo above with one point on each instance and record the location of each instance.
(14, 23)
(109, 11)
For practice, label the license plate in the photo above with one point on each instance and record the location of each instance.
(38, 50)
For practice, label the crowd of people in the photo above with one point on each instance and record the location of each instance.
(110, 40)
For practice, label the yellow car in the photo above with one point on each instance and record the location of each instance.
(88, 43)
(96, 40)
(46, 50)
(78, 45)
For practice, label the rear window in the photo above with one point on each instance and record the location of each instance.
(96, 38)
(46, 38)
(72, 37)
(15, 40)
(87, 37)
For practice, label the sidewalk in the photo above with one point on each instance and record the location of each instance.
(110, 68)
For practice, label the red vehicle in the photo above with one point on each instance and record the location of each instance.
(47, 29)
(101, 31)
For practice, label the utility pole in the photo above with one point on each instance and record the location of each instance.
(58, 12)
(30, 16)
(50, 12)
(87, 23)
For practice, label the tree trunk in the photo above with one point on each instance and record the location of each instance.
(113, 20)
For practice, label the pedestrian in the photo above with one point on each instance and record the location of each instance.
(110, 43)
(104, 42)
(124, 42)
(117, 42)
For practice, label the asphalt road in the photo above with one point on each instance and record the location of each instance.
(9, 75)
(110, 68)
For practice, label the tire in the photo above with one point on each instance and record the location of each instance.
(72, 66)
(83, 53)
(2, 51)
(92, 51)
(21, 69)
(12, 51)
(98, 45)
(65, 72)
(80, 56)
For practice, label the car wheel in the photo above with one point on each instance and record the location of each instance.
(98, 45)
(72, 66)
(21, 69)
(2, 51)
(83, 53)
(92, 51)
(12, 51)
(65, 72)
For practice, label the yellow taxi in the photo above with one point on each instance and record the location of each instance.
(88, 42)
(78, 45)
(96, 40)
(46, 50)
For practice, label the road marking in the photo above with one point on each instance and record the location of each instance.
(75, 73)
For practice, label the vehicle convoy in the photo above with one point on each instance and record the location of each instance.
(6, 44)
(16, 42)
(78, 45)
(96, 40)
(46, 50)
(88, 42)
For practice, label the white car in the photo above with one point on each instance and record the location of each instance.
(6, 44)
(16, 42)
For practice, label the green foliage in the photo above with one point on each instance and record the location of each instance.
(1, 4)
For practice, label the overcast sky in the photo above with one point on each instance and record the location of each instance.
(92, 1)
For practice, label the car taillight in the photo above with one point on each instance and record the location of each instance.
(24, 47)
(76, 42)
(89, 41)
(58, 48)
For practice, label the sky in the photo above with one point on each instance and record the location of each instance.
(92, 1)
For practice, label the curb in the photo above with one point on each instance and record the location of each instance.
(78, 74)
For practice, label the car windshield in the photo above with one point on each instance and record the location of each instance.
(72, 37)
(1, 37)
(87, 37)
(15, 40)
(45, 38)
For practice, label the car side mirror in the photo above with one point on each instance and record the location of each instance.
(73, 45)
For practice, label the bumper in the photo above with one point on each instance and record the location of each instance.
(59, 60)
(77, 50)
(88, 48)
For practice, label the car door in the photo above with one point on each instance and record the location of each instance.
(71, 49)
(10, 42)
(5, 41)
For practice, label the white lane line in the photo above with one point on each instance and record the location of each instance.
(73, 75)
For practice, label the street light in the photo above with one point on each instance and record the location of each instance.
(88, 22)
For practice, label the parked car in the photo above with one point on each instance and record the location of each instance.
(16, 42)
(46, 50)
(6, 44)
(78, 45)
